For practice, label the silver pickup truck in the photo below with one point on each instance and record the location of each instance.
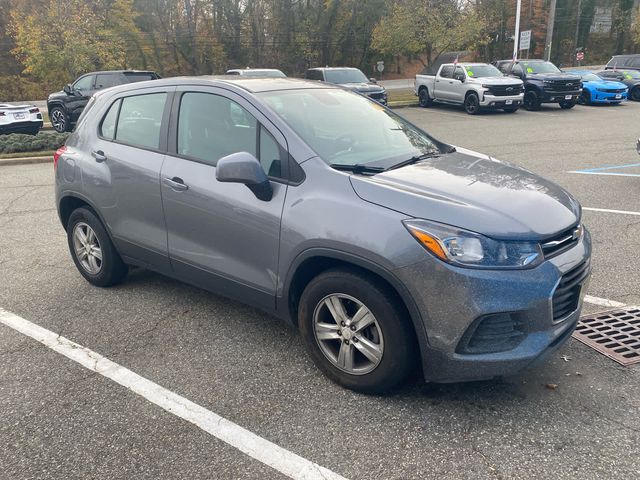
(476, 86)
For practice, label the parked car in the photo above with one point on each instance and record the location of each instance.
(597, 90)
(350, 78)
(627, 62)
(20, 119)
(631, 78)
(385, 246)
(256, 72)
(476, 86)
(543, 83)
(66, 105)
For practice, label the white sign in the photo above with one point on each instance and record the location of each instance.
(602, 20)
(525, 40)
(380, 66)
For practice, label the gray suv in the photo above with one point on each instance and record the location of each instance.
(389, 249)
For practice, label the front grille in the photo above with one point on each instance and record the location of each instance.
(497, 332)
(561, 242)
(376, 96)
(567, 294)
(561, 86)
(612, 90)
(505, 90)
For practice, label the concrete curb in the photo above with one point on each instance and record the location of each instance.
(25, 160)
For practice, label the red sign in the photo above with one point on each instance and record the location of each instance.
(580, 56)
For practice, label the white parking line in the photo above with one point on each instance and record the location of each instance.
(603, 302)
(264, 451)
(607, 210)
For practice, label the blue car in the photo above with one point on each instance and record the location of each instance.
(597, 90)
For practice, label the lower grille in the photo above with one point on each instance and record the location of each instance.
(612, 90)
(567, 294)
(497, 332)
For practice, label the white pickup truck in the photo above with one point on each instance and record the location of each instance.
(476, 86)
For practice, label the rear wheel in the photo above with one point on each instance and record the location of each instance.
(59, 120)
(92, 250)
(567, 104)
(355, 331)
(423, 97)
(472, 104)
(532, 100)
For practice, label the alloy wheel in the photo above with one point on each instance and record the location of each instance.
(423, 97)
(471, 104)
(87, 248)
(348, 334)
(58, 120)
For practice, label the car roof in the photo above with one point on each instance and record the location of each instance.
(254, 70)
(334, 68)
(117, 71)
(249, 84)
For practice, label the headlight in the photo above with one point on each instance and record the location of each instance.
(470, 249)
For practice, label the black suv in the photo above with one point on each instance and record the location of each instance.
(351, 78)
(66, 105)
(543, 82)
(625, 62)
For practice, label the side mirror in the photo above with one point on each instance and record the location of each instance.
(242, 167)
(68, 89)
(373, 80)
(460, 78)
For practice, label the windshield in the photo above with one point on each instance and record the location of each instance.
(347, 129)
(588, 77)
(483, 71)
(345, 76)
(540, 67)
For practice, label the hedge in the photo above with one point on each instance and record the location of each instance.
(44, 141)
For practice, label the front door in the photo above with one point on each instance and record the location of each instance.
(220, 236)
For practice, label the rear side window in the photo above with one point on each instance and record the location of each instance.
(314, 75)
(211, 127)
(140, 120)
(133, 77)
(106, 80)
(634, 62)
(108, 125)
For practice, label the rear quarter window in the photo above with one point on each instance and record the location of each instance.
(133, 77)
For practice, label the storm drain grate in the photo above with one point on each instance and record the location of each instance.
(615, 333)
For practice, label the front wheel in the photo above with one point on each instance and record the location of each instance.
(635, 94)
(92, 250)
(355, 331)
(532, 100)
(472, 104)
(567, 104)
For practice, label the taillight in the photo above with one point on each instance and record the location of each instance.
(34, 110)
(56, 156)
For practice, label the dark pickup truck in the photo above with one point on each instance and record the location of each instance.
(543, 82)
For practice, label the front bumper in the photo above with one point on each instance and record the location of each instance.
(470, 296)
(557, 97)
(493, 101)
(605, 97)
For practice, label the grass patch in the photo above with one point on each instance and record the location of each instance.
(46, 153)
(402, 95)
(43, 142)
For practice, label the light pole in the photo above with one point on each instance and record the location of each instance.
(516, 37)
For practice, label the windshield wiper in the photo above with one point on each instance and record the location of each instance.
(357, 168)
(414, 159)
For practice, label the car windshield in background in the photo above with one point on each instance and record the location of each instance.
(539, 67)
(483, 71)
(140, 76)
(263, 73)
(347, 129)
(629, 74)
(345, 76)
(588, 77)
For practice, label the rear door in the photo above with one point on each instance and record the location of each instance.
(124, 178)
(220, 236)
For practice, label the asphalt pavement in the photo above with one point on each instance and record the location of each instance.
(60, 420)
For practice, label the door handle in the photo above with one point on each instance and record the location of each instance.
(176, 183)
(99, 156)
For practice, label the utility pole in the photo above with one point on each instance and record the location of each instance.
(575, 39)
(516, 37)
(550, 24)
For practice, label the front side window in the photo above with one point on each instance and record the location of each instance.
(459, 74)
(211, 127)
(447, 71)
(140, 120)
(108, 125)
(347, 129)
(85, 83)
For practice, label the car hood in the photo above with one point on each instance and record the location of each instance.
(553, 76)
(475, 192)
(497, 80)
(605, 84)
(363, 87)
(55, 95)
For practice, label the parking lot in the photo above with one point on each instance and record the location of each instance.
(573, 416)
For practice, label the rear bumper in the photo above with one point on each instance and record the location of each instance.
(21, 127)
(457, 349)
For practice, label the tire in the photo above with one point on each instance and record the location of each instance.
(472, 104)
(110, 269)
(532, 101)
(59, 120)
(423, 98)
(585, 97)
(566, 105)
(389, 331)
(510, 110)
(635, 94)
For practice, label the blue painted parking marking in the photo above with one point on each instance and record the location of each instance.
(610, 170)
